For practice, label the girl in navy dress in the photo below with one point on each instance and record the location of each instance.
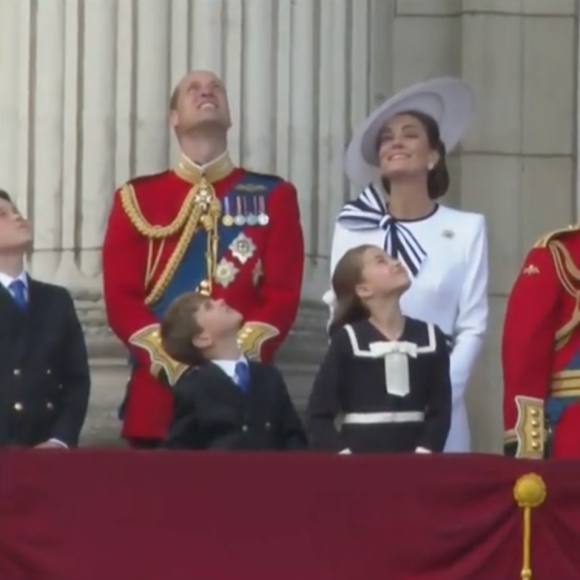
(384, 384)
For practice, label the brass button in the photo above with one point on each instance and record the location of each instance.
(17, 372)
(534, 412)
(535, 424)
(535, 445)
(49, 406)
(18, 407)
(267, 425)
(245, 428)
(535, 434)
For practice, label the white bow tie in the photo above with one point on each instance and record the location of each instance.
(385, 348)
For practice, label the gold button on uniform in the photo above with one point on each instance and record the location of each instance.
(18, 406)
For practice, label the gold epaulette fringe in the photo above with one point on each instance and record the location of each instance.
(545, 240)
(131, 208)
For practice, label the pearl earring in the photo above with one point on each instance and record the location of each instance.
(430, 166)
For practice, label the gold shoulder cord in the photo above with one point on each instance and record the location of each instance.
(545, 240)
(569, 276)
(200, 206)
(136, 217)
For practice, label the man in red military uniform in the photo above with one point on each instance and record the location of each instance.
(541, 351)
(205, 225)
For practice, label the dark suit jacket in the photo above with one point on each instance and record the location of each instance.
(212, 412)
(44, 370)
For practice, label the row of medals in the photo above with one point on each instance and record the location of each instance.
(260, 218)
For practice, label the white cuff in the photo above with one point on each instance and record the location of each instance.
(422, 450)
(345, 452)
(58, 442)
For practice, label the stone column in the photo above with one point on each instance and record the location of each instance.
(518, 161)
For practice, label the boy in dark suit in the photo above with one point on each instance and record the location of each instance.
(44, 370)
(223, 401)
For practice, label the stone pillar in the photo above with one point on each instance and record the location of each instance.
(518, 161)
(84, 93)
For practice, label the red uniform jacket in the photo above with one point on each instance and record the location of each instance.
(152, 254)
(541, 350)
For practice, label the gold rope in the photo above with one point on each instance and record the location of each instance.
(529, 493)
(201, 207)
(205, 211)
(133, 211)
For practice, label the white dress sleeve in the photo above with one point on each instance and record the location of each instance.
(471, 322)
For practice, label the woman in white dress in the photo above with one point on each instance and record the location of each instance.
(398, 157)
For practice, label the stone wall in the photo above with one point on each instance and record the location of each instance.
(84, 89)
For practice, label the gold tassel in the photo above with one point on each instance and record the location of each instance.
(529, 493)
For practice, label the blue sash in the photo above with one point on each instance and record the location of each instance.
(247, 198)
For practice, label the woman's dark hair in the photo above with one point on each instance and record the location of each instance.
(438, 177)
(347, 274)
(4, 195)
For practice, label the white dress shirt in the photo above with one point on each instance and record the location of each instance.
(6, 281)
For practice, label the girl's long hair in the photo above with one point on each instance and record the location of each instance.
(348, 308)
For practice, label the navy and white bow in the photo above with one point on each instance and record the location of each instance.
(369, 212)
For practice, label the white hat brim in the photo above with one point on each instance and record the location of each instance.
(449, 101)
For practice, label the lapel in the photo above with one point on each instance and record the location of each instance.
(35, 317)
(8, 318)
(256, 386)
(219, 381)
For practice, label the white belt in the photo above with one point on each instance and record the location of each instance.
(371, 418)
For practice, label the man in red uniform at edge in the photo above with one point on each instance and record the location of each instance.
(541, 351)
(206, 225)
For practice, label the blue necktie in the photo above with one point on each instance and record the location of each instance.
(242, 376)
(18, 290)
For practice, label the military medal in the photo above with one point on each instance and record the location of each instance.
(240, 219)
(263, 217)
(227, 219)
(242, 248)
(251, 216)
(225, 273)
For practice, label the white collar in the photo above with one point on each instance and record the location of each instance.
(6, 280)
(229, 366)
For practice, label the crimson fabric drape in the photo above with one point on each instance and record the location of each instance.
(138, 515)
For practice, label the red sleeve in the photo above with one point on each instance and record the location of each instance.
(125, 252)
(268, 324)
(529, 332)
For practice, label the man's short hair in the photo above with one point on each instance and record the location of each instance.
(179, 327)
(4, 195)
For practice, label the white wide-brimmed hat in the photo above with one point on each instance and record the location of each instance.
(448, 101)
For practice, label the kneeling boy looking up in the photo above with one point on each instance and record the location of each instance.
(224, 401)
